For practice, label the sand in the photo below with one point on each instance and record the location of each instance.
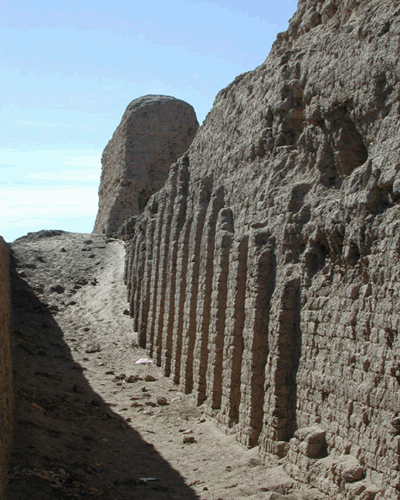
(90, 422)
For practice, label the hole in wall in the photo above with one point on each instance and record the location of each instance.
(353, 254)
(315, 258)
(351, 151)
(389, 337)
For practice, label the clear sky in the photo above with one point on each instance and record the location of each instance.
(69, 70)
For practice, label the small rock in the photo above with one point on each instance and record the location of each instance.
(144, 389)
(150, 403)
(121, 376)
(62, 249)
(126, 312)
(162, 401)
(128, 419)
(91, 348)
(133, 378)
(81, 281)
(150, 378)
(189, 440)
(57, 289)
(110, 372)
(30, 265)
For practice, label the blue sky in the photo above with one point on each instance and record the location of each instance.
(69, 70)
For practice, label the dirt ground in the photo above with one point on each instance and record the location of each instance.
(91, 422)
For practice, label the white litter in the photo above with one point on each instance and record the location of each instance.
(143, 361)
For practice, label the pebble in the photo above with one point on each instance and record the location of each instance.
(57, 288)
(91, 348)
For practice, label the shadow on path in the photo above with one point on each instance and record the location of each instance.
(68, 444)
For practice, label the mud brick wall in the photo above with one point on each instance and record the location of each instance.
(154, 132)
(6, 388)
(265, 276)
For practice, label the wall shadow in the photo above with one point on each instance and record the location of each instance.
(68, 443)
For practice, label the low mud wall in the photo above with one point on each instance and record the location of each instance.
(6, 390)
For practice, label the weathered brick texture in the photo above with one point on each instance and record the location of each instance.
(265, 276)
(154, 132)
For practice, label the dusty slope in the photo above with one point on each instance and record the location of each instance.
(88, 424)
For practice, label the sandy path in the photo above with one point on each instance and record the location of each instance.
(89, 424)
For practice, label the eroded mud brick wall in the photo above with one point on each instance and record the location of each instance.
(154, 132)
(265, 276)
(6, 389)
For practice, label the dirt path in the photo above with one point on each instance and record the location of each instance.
(90, 421)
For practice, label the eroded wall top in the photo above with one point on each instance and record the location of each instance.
(154, 132)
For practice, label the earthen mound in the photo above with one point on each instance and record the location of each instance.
(154, 132)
